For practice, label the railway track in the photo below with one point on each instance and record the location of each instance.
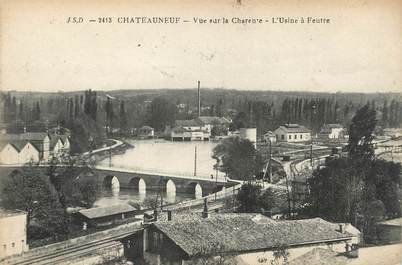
(64, 255)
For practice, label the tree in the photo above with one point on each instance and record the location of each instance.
(238, 158)
(252, 199)
(160, 113)
(122, 117)
(31, 191)
(361, 134)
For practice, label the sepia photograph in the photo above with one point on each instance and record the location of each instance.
(185, 132)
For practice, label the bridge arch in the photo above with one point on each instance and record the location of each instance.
(197, 189)
(138, 183)
(112, 182)
(170, 187)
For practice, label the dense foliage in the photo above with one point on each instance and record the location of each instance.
(237, 158)
(360, 188)
(252, 199)
(45, 196)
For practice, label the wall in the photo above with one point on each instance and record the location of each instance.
(13, 234)
(9, 155)
(29, 153)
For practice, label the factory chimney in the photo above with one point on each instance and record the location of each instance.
(199, 100)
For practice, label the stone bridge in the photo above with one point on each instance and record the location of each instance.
(158, 181)
(143, 181)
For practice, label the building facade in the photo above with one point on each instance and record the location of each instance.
(13, 232)
(292, 133)
(332, 131)
(24, 148)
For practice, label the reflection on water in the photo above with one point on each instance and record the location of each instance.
(118, 196)
(159, 156)
(167, 157)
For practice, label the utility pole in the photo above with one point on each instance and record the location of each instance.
(199, 100)
(110, 157)
(269, 163)
(195, 161)
(311, 135)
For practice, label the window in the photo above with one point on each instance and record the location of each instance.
(295, 136)
(283, 137)
(4, 246)
(290, 136)
(13, 244)
(301, 136)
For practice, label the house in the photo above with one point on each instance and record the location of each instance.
(146, 132)
(292, 133)
(13, 232)
(246, 238)
(209, 122)
(269, 137)
(25, 147)
(189, 130)
(389, 231)
(59, 146)
(332, 131)
(104, 216)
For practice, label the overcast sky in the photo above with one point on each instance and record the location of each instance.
(359, 51)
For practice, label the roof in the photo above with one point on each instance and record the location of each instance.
(29, 136)
(9, 213)
(392, 222)
(106, 211)
(320, 256)
(213, 119)
(245, 232)
(148, 128)
(188, 123)
(294, 128)
(20, 140)
(326, 128)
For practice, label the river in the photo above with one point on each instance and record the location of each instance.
(163, 157)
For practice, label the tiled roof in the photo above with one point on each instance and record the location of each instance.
(188, 123)
(294, 128)
(326, 128)
(106, 211)
(245, 232)
(213, 119)
(30, 136)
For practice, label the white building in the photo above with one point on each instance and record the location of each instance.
(332, 131)
(59, 146)
(292, 133)
(23, 148)
(13, 232)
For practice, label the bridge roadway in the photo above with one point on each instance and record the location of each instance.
(142, 180)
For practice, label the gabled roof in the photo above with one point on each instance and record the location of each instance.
(106, 211)
(294, 128)
(326, 128)
(213, 120)
(245, 233)
(146, 128)
(30, 136)
(188, 123)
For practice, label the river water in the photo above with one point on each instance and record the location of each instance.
(163, 157)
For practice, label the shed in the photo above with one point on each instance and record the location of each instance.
(103, 216)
